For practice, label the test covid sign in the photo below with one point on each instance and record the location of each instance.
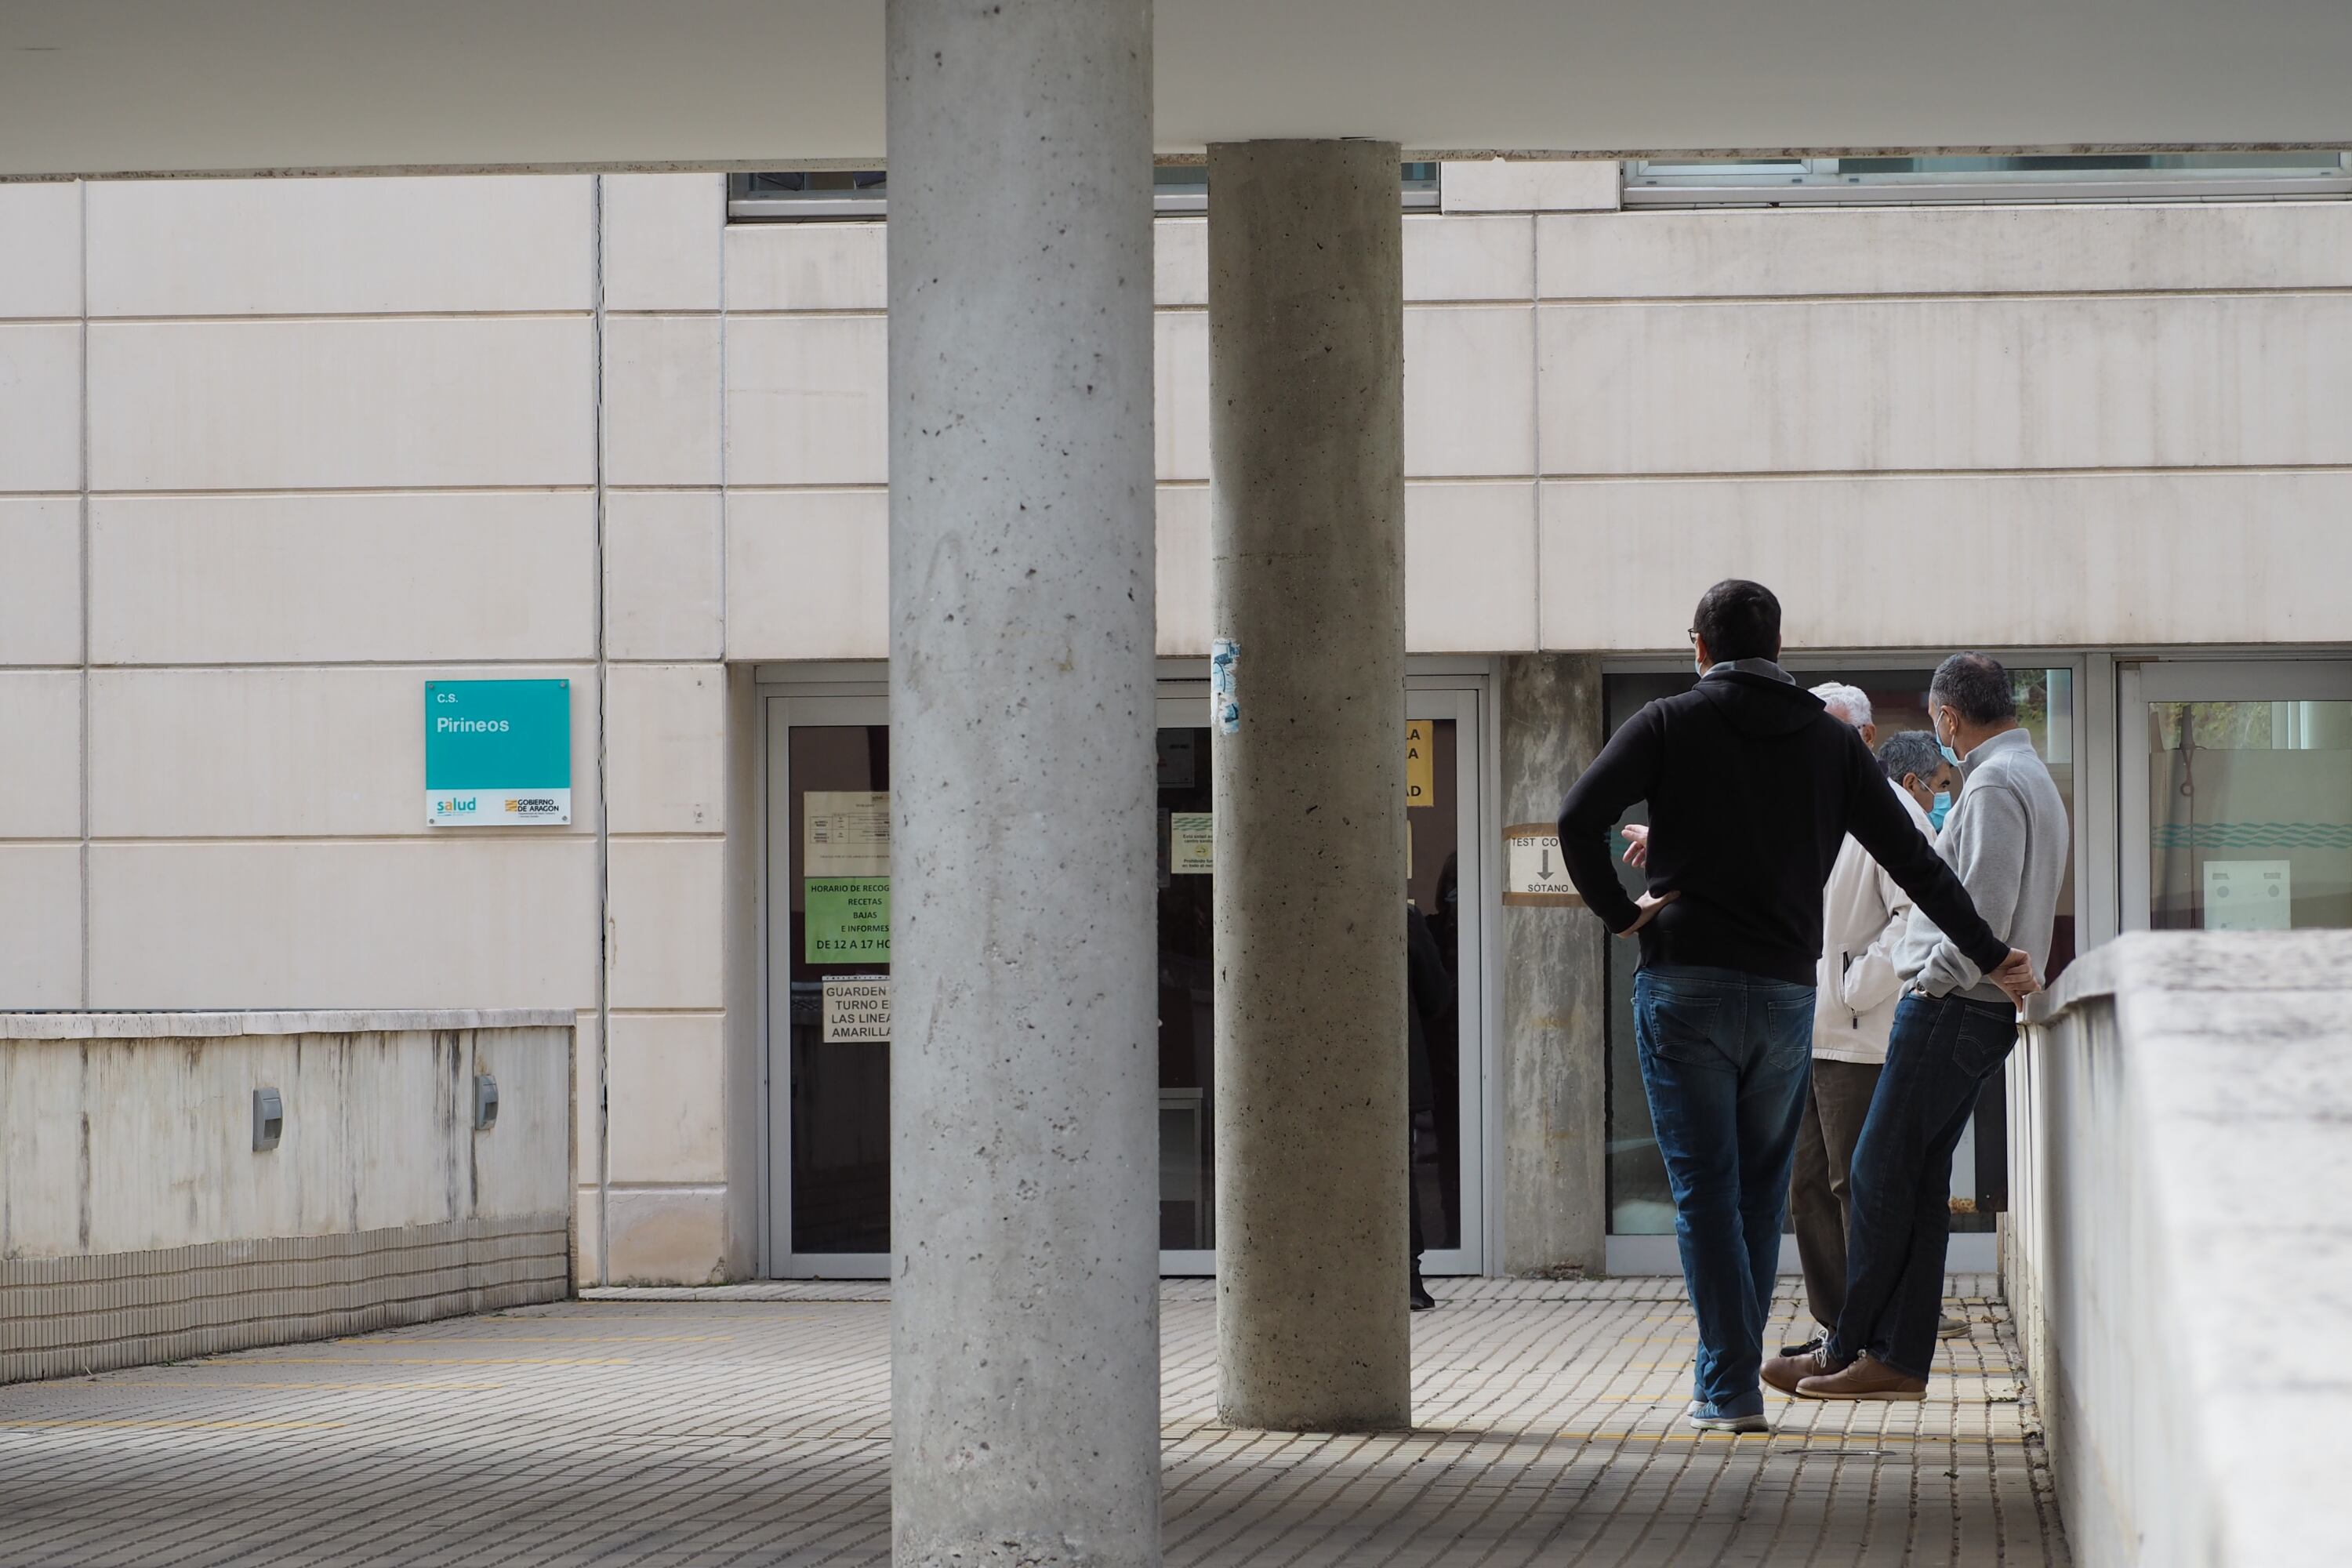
(498, 753)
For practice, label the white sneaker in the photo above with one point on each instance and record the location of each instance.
(1703, 1420)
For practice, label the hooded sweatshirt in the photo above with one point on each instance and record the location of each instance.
(1752, 786)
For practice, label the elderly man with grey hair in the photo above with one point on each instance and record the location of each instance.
(1865, 913)
(2006, 840)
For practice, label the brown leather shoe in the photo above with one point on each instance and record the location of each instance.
(1867, 1378)
(1785, 1371)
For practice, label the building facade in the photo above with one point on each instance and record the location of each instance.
(275, 454)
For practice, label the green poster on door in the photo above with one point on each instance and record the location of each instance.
(847, 920)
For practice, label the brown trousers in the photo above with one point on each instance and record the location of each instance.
(1819, 1198)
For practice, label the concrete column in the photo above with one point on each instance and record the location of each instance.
(1555, 1062)
(1024, 1345)
(1306, 506)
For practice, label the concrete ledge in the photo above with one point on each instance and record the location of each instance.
(184, 1026)
(2177, 1251)
(142, 1218)
(2201, 961)
(62, 1317)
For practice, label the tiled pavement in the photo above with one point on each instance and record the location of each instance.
(751, 1427)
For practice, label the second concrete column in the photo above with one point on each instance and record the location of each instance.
(1307, 499)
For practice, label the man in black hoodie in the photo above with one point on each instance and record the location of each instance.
(1752, 787)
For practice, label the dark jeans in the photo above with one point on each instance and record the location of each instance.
(1937, 1058)
(1726, 1059)
(1820, 1197)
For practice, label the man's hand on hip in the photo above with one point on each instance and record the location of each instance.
(2015, 976)
(1637, 844)
(1648, 904)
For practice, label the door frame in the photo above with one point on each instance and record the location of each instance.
(2321, 677)
(859, 693)
(2093, 852)
(1462, 699)
(1477, 831)
(845, 702)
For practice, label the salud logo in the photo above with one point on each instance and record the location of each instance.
(455, 806)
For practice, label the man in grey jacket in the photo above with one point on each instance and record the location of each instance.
(2006, 838)
(1865, 914)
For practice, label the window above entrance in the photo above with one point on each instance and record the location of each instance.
(817, 195)
(2074, 177)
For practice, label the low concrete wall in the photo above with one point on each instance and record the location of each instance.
(138, 1222)
(2177, 1252)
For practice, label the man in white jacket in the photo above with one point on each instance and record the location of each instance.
(1864, 914)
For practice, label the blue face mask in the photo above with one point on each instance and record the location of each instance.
(1942, 808)
(1950, 755)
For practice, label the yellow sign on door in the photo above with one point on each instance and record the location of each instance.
(1420, 766)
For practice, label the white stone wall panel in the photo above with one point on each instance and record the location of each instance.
(1947, 384)
(40, 580)
(668, 916)
(806, 401)
(2050, 248)
(1470, 567)
(808, 574)
(661, 400)
(668, 1082)
(340, 246)
(1500, 184)
(1181, 528)
(1469, 390)
(666, 753)
(40, 405)
(661, 234)
(40, 250)
(482, 920)
(40, 925)
(291, 753)
(245, 579)
(40, 761)
(1181, 394)
(1469, 258)
(398, 403)
(663, 565)
(1180, 261)
(1910, 562)
(669, 1235)
(806, 267)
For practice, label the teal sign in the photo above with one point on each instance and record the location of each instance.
(498, 753)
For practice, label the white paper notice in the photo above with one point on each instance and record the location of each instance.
(1533, 872)
(846, 832)
(1192, 843)
(857, 1008)
(2249, 895)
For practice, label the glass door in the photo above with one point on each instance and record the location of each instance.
(1188, 1156)
(828, 987)
(1441, 797)
(1445, 879)
(828, 782)
(1642, 1212)
(2237, 779)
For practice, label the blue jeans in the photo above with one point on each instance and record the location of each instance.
(1937, 1058)
(1726, 1060)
